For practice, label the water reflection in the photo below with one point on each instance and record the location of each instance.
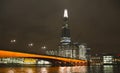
(11, 70)
(95, 69)
(18, 70)
(28, 70)
(73, 69)
(108, 68)
(43, 70)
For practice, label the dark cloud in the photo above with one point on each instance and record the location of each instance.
(93, 22)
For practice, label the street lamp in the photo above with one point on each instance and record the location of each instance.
(43, 47)
(44, 50)
(30, 44)
(12, 44)
(13, 41)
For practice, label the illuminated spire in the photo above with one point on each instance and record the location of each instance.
(65, 37)
(65, 13)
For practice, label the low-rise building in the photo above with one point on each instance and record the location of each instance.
(105, 59)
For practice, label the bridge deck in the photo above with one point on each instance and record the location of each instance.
(18, 54)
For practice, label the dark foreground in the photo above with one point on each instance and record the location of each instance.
(65, 69)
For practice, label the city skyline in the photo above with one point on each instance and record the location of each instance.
(34, 24)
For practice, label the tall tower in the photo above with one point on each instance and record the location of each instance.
(65, 37)
(67, 48)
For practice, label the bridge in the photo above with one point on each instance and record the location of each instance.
(53, 59)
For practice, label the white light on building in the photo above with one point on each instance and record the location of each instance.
(107, 59)
(66, 13)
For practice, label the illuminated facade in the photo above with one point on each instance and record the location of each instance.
(118, 59)
(18, 61)
(23, 61)
(66, 47)
(105, 59)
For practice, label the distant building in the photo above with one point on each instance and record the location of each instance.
(96, 59)
(66, 47)
(105, 59)
(118, 59)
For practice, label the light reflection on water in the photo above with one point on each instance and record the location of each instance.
(43, 70)
(73, 69)
(108, 69)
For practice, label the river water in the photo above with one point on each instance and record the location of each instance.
(65, 69)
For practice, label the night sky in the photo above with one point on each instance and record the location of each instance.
(95, 22)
